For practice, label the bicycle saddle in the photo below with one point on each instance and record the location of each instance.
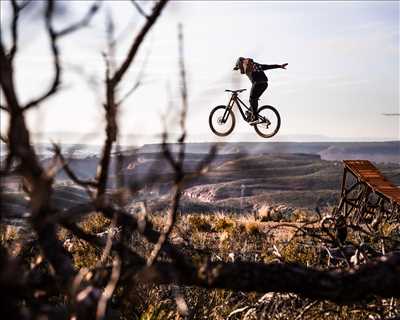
(235, 91)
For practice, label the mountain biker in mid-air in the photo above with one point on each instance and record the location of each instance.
(258, 79)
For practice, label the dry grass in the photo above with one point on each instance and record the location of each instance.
(222, 237)
(8, 233)
(83, 254)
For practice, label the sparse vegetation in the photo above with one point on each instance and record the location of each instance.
(225, 237)
(190, 237)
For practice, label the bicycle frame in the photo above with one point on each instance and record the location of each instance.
(235, 100)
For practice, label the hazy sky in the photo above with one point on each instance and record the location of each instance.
(343, 70)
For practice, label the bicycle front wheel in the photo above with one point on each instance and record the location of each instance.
(222, 121)
(269, 122)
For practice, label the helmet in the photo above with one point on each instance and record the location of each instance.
(239, 64)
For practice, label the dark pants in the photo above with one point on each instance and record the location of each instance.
(256, 91)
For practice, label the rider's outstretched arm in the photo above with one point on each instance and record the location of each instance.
(271, 66)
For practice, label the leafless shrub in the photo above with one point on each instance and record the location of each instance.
(134, 252)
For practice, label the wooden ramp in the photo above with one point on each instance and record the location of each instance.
(367, 197)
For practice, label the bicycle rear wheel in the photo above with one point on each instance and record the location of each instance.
(270, 122)
(222, 121)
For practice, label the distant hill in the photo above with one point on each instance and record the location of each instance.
(388, 151)
(374, 151)
(233, 180)
(240, 176)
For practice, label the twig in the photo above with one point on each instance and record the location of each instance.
(56, 58)
(204, 163)
(179, 175)
(14, 29)
(90, 79)
(179, 164)
(111, 45)
(168, 228)
(54, 36)
(98, 242)
(183, 96)
(81, 23)
(139, 8)
(131, 222)
(69, 171)
(139, 77)
(167, 153)
(3, 138)
(305, 309)
(111, 106)
(239, 310)
(138, 40)
(109, 289)
(16, 8)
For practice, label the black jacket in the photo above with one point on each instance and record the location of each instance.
(256, 74)
(253, 69)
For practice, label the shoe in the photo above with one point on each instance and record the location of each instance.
(254, 120)
(250, 116)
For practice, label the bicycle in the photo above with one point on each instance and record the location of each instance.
(222, 119)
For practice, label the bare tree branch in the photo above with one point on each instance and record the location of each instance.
(111, 107)
(24, 4)
(204, 163)
(305, 309)
(83, 22)
(91, 79)
(168, 154)
(110, 55)
(380, 278)
(109, 242)
(38, 183)
(168, 228)
(7, 81)
(14, 29)
(139, 79)
(138, 40)
(135, 86)
(69, 171)
(16, 10)
(56, 58)
(109, 289)
(133, 257)
(351, 284)
(183, 95)
(140, 9)
(179, 164)
(131, 222)
(54, 36)
(3, 138)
